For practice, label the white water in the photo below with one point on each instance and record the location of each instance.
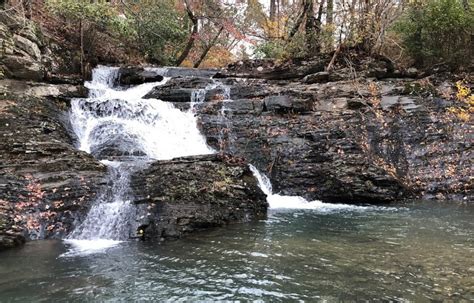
(277, 201)
(116, 122)
(149, 126)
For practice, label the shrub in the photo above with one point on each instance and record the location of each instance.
(282, 49)
(438, 31)
(160, 30)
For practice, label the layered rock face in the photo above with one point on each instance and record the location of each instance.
(361, 140)
(27, 54)
(20, 49)
(350, 135)
(190, 193)
(46, 184)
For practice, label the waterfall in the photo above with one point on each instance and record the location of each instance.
(276, 201)
(124, 131)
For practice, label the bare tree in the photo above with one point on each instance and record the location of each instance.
(192, 37)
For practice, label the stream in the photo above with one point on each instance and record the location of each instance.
(417, 252)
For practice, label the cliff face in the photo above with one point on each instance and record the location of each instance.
(46, 183)
(363, 140)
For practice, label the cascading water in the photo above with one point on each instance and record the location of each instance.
(276, 201)
(124, 131)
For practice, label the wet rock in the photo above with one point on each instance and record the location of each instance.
(181, 89)
(285, 104)
(347, 145)
(136, 75)
(192, 193)
(10, 234)
(46, 184)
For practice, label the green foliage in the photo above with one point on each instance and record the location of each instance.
(156, 28)
(159, 30)
(99, 12)
(282, 49)
(438, 31)
(270, 49)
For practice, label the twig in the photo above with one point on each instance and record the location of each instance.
(333, 59)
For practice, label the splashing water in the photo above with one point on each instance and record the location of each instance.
(149, 126)
(120, 123)
(116, 123)
(277, 201)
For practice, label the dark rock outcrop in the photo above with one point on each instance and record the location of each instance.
(46, 184)
(180, 89)
(347, 141)
(190, 193)
(10, 234)
(137, 75)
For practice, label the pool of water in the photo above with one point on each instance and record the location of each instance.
(416, 252)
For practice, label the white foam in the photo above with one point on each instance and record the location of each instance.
(155, 127)
(277, 201)
(87, 247)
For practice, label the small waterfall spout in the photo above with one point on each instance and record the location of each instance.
(277, 201)
(111, 218)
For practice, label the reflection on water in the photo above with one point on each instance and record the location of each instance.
(420, 252)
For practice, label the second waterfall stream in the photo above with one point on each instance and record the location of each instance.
(125, 131)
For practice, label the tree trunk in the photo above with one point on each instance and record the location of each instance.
(299, 21)
(273, 9)
(192, 37)
(208, 48)
(81, 29)
(330, 12)
(330, 23)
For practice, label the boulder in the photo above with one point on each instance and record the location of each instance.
(182, 89)
(23, 68)
(27, 46)
(191, 193)
(136, 75)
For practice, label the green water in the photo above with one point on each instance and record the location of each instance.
(418, 252)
